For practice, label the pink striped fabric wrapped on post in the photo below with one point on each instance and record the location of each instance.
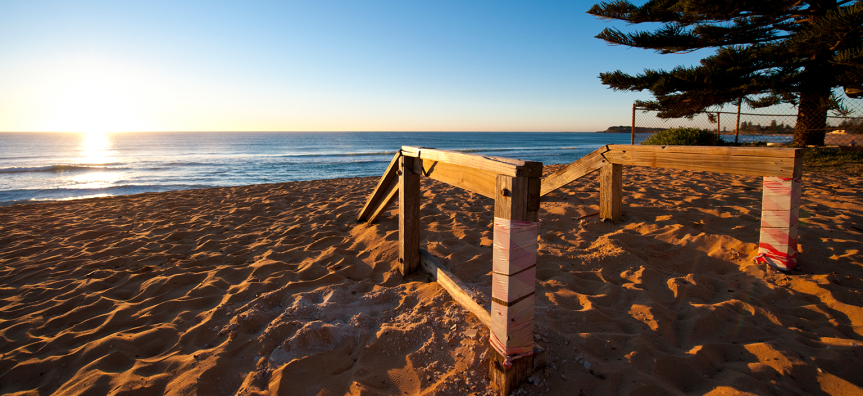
(779, 211)
(513, 287)
(514, 245)
(512, 328)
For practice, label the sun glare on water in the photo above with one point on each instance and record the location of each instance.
(96, 150)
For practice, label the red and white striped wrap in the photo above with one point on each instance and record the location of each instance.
(513, 287)
(514, 245)
(512, 328)
(780, 209)
(781, 193)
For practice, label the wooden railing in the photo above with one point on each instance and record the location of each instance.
(752, 161)
(516, 187)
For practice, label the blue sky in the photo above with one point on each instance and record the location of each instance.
(311, 66)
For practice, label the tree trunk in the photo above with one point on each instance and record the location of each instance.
(811, 119)
(815, 87)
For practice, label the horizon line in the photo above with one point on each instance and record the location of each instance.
(296, 131)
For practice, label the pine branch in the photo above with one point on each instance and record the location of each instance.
(767, 51)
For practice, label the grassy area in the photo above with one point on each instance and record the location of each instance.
(831, 159)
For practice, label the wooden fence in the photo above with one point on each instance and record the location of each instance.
(516, 188)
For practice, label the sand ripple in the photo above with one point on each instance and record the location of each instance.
(275, 289)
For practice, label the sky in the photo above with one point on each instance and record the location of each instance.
(329, 65)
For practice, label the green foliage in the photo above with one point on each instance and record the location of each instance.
(831, 159)
(767, 52)
(684, 137)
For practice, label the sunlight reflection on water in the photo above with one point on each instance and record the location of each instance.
(95, 179)
(96, 148)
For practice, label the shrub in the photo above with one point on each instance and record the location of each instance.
(825, 158)
(684, 136)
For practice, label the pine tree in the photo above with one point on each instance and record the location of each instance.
(767, 52)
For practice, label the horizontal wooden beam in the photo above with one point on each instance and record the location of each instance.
(456, 289)
(712, 150)
(708, 159)
(495, 165)
(471, 179)
(574, 171)
(379, 198)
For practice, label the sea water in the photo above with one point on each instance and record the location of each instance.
(62, 166)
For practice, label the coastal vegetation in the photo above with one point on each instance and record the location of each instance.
(684, 136)
(833, 159)
(767, 52)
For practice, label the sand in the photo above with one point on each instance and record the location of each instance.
(275, 289)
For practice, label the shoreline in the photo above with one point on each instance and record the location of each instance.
(119, 164)
(275, 288)
(76, 199)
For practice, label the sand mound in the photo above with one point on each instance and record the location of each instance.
(275, 289)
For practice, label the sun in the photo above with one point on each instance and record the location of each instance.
(95, 98)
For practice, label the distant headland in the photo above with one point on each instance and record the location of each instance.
(628, 129)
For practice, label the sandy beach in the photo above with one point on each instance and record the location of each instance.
(276, 289)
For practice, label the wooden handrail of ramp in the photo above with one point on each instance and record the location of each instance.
(752, 161)
(494, 165)
(383, 194)
(574, 171)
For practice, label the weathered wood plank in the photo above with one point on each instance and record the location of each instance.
(534, 184)
(455, 287)
(574, 171)
(611, 192)
(496, 165)
(391, 193)
(714, 150)
(409, 217)
(703, 161)
(508, 378)
(471, 179)
(510, 198)
(380, 191)
(798, 167)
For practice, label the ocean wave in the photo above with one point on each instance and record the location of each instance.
(355, 154)
(103, 195)
(67, 194)
(59, 168)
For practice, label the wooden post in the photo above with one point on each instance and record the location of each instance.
(780, 207)
(516, 209)
(718, 127)
(409, 215)
(611, 191)
(718, 124)
(632, 135)
(737, 129)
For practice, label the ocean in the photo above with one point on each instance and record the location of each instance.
(63, 166)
